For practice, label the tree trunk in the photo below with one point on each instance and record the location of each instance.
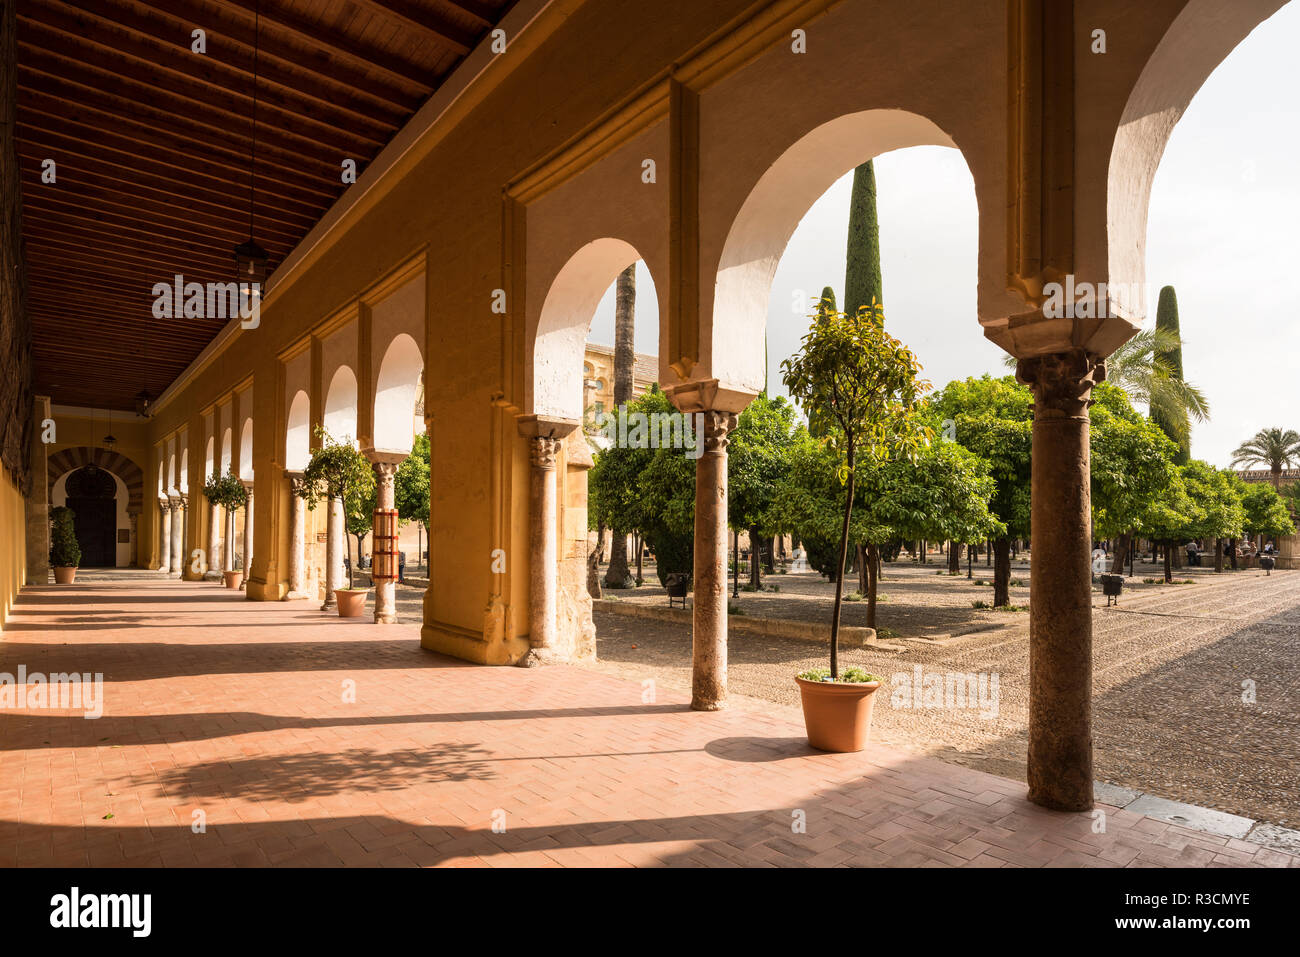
(839, 578)
(640, 550)
(864, 573)
(616, 574)
(873, 580)
(755, 560)
(735, 563)
(1122, 546)
(954, 558)
(769, 559)
(1002, 572)
(988, 554)
(1169, 563)
(1218, 555)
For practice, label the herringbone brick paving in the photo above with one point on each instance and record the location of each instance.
(240, 710)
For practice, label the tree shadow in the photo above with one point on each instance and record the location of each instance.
(302, 777)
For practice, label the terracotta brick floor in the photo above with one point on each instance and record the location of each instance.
(237, 709)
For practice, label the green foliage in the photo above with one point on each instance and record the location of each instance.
(1172, 420)
(226, 490)
(1132, 461)
(65, 551)
(1274, 449)
(850, 676)
(1216, 505)
(1265, 512)
(758, 460)
(863, 285)
(411, 484)
(652, 490)
(993, 418)
(338, 470)
(861, 390)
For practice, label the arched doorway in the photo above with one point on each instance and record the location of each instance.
(92, 496)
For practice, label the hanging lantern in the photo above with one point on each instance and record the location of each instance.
(250, 262)
(143, 400)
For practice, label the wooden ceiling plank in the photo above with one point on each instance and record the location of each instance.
(170, 47)
(411, 17)
(343, 46)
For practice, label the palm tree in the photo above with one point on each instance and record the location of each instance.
(1276, 448)
(1140, 368)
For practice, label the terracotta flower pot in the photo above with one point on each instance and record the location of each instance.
(351, 601)
(837, 715)
(233, 578)
(65, 574)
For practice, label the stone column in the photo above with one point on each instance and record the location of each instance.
(215, 553)
(1060, 616)
(185, 536)
(297, 539)
(165, 534)
(709, 619)
(178, 536)
(385, 466)
(248, 536)
(228, 559)
(134, 550)
(543, 554)
(334, 533)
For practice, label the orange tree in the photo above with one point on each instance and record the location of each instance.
(861, 391)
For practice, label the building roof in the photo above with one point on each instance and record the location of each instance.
(645, 367)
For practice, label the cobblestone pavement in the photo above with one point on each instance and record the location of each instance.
(1170, 663)
(307, 740)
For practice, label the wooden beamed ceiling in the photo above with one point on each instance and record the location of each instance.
(151, 147)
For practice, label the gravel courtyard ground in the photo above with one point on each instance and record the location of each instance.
(1172, 665)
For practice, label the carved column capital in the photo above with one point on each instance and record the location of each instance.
(385, 472)
(717, 427)
(542, 451)
(1062, 381)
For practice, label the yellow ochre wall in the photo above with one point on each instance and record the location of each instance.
(13, 544)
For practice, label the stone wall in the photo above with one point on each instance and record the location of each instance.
(15, 326)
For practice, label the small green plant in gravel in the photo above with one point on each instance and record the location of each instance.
(854, 676)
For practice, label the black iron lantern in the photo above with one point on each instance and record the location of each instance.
(143, 401)
(250, 262)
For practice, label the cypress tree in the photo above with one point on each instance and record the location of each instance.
(1176, 426)
(827, 303)
(862, 282)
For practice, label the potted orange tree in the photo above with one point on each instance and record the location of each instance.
(860, 389)
(338, 470)
(65, 551)
(228, 492)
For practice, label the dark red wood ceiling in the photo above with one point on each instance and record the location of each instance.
(151, 144)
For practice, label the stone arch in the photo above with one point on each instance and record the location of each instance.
(1201, 37)
(209, 459)
(732, 336)
(184, 482)
(171, 472)
(397, 391)
(297, 433)
(553, 384)
(227, 450)
(340, 418)
(131, 475)
(162, 487)
(246, 450)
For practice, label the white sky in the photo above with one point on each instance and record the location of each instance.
(1224, 230)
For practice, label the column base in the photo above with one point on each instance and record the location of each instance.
(707, 704)
(537, 657)
(295, 596)
(385, 619)
(213, 575)
(328, 604)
